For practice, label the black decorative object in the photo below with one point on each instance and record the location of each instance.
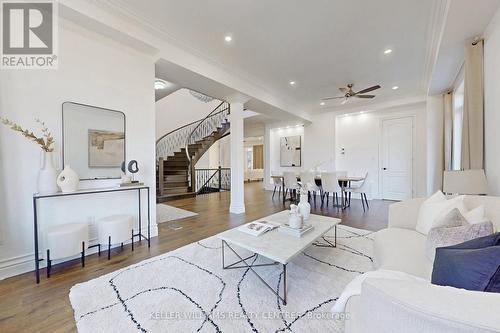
(133, 168)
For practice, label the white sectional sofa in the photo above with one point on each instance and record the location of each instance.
(410, 306)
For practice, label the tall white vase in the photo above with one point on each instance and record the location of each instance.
(304, 207)
(47, 175)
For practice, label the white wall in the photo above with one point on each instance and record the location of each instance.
(178, 109)
(435, 143)
(272, 156)
(360, 135)
(492, 103)
(319, 146)
(92, 70)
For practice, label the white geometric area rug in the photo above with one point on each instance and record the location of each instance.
(187, 290)
(166, 213)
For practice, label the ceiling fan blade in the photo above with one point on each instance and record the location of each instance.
(364, 96)
(368, 89)
(329, 98)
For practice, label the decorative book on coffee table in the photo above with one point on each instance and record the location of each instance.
(286, 229)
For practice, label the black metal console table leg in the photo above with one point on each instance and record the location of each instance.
(35, 230)
(149, 221)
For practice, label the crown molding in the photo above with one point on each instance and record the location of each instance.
(435, 31)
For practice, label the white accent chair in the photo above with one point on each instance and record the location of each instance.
(361, 188)
(115, 229)
(66, 240)
(308, 181)
(330, 184)
(290, 184)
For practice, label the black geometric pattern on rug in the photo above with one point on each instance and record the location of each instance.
(238, 295)
(288, 325)
(130, 314)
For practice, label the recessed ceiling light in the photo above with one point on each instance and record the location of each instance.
(228, 38)
(388, 51)
(160, 84)
(292, 83)
(322, 103)
(395, 88)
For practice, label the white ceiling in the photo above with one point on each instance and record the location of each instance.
(466, 19)
(321, 44)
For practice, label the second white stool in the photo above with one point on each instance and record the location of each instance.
(115, 229)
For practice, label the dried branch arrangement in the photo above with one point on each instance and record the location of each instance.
(45, 141)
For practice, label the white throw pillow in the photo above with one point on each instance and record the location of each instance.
(434, 209)
(476, 215)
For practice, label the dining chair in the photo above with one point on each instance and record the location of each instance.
(330, 184)
(290, 184)
(278, 183)
(361, 189)
(308, 182)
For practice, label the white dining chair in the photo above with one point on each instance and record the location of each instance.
(308, 181)
(290, 184)
(361, 189)
(278, 183)
(330, 184)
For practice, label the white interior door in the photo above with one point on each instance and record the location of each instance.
(397, 158)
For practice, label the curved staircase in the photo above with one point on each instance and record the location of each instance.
(175, 170)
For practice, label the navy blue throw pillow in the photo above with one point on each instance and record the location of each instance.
(472, 265)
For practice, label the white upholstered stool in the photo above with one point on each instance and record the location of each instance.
(115, 229)
(66, 240)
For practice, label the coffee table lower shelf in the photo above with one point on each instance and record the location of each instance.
(251, 266)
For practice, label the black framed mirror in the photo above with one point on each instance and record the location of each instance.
(94, 140)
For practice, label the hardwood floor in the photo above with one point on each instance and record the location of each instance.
(28, 307)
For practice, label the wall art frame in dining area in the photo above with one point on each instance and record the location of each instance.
(291, 151)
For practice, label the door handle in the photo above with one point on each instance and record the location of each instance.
(384, 168)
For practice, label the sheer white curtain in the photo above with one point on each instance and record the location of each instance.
(472, 156)
(448, 130)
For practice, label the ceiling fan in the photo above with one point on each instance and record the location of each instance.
(348, 93)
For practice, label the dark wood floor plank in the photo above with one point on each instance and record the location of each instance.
(28, 307)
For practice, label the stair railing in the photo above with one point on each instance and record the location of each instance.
(173, 141)
(212, 180)
(204, 128)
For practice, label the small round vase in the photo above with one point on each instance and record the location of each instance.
(46, 180)
(304, 207)
(68, 180)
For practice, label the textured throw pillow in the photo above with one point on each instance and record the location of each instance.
(454, 230)
(452, 219)
(473, 265)
(434, 209)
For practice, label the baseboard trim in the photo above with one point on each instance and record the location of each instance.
(21, 264)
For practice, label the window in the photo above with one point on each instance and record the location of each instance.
(458, 119)
(249, 158)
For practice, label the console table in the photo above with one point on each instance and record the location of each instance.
(38, 196)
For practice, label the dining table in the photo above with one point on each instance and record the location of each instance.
(344, 181)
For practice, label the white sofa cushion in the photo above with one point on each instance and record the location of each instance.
(413, 307)
(402, 250)
(433, 209)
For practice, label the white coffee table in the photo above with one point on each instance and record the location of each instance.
(278, 247)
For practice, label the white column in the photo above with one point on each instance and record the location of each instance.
(237, 156)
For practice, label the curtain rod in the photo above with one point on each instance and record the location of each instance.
(476, 40)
